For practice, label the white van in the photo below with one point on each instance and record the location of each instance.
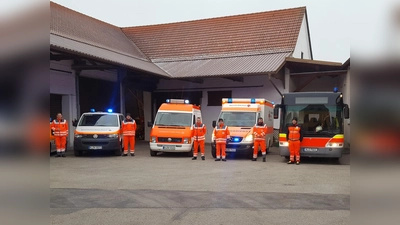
(98, 131)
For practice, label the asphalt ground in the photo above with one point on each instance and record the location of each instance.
(100, 188)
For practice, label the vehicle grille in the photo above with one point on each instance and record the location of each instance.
(165, 139)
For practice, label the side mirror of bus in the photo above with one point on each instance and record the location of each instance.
(149, 124)
(276, 112)
(214, 124)
(346, 112)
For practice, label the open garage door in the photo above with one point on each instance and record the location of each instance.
(97, 94)
(55, 105)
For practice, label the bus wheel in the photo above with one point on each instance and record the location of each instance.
(190, 154)
(153, 153)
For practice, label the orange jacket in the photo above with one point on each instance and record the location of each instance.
(59, 127)
(221, 133)
(259, 132)
(294, 133)
(128, 127)
(199, 131)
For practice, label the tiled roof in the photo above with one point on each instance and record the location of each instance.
(70, 24)
(264, 32)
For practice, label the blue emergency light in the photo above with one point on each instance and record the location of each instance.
(92, 110)
(167, 101)
(253, 100)
(236, 139)
(335, 89)
(109, 110)
(229, 100)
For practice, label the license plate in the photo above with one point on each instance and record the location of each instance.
(95, 147)
(230, 150)
(169, 147)
(311, 149)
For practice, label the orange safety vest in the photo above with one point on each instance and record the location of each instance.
(60, 128)
(221, 134)
(294, 133)
(128, 128)
(259, 132)
(199, 132)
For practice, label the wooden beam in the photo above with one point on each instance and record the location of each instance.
(60, 57)
(305, 84)
(237, 79)
(193, 80)
(321, 73)
(91, 67)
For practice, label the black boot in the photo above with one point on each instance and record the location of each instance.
(224, 160)
(63, 154)
(194, 158)
(264, 158)
(217, 159)
(254, 159)
(203, 158)
(58, 154)
(132, 154)
(125, 155)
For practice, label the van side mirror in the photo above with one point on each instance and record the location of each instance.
(214, 124)
(75, 122)
(346, 112)
(149, 124)
(276, 111)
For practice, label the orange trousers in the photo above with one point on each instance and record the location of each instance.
(61, 142)
(221, 150)
(256, 145)
(294, 149)
(129, 140)
(196, 145)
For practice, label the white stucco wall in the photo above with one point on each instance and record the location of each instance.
(244, 89)
(303, 42)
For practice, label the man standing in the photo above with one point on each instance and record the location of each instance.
(128, 131)
(294, 136)
(198, 132)
(59, 127)
(221, 134)
(259, 132)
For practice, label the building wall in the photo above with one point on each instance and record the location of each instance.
(303, 42)
(252, 87)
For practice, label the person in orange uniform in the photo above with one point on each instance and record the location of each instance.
(128, 131)
(221, 134)
(294, 136)
(259, 132)
(199, 131)
(59, 126)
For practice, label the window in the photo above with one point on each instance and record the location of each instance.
(215, 97)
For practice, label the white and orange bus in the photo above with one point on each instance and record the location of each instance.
(321, 116)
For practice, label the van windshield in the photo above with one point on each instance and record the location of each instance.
(173, 119)
(238, 119)
(99, 120)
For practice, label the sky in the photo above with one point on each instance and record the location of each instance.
(336, 26)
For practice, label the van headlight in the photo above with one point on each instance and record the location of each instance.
(113, 135)
(153, 139)
(186, 141)
(249, 138)
(78, 135)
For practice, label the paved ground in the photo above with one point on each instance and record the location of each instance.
(173, 189)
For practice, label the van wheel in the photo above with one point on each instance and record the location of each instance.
(118, 152)
(213, 152)
(153, 153)
(190, 154)
(77, 152)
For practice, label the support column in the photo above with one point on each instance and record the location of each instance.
(121, 75)
(287, 81)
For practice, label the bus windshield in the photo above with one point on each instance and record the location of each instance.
(238, 119)
(174, 119)
(316, 120)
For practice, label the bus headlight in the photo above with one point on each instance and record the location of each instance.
(248, 138)
(283, 143)
(334, 145)
(153, 139)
